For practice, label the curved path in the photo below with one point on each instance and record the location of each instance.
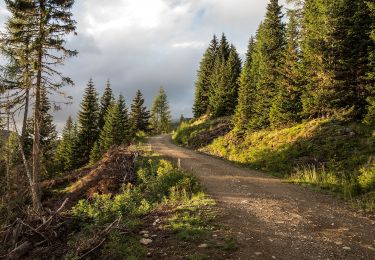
(274, 220)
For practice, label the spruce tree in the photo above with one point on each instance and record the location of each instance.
(224, 81)
(88, 118)
(139, 115)
(203, 83)
(335, 36)
(217, 82)
(124, 120)
(287, 106)
(53, 20)
(48, 136)
(233, 69)
(105, 102)
(112, 130)
(95, 154)
(16, 45)
(66, 152)
(266, 60)
(244, 109)
(160, 121)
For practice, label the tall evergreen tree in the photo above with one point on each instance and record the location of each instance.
(16, 45)
(113, 128)
(266, 60)
(224, 82)
(160, 120)
(45, 24)
(95, 154)
(244, 109)
(53, 20)
(48, 136)
(335, 36)
(139, 115)
(287, 106)
(66, 152)
(203, 83)
(124, 120)
(105, 102)
(88, 118)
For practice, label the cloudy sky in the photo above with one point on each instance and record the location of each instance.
(143, 44)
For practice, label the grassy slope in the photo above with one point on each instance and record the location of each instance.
(330, 154)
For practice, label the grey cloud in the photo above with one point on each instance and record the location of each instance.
(164, 48)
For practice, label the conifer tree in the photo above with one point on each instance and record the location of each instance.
(16, 45)
(160, 120)
(113, 129)
(105, 102)
(66, 152)
(244, 109)
(224, 84)
(287, 106)
(88, 118)
(95, 154)
(266, 60)
(45, 23)
(139, 115)
(335, 36)
(233, 69)
(48, 136)
(203, 83)
(124, 120)
(215, 95)
(52, 21)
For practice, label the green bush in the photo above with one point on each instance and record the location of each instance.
(159, 182)
(367, 178)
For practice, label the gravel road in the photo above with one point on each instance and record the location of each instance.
(275, 220)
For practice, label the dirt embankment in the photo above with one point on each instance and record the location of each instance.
(38, 237)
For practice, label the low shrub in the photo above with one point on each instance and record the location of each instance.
(367, 178)
(159, 182)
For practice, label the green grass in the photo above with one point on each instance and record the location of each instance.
(193, 219)
(330, 154)
(199, 133)
(120, 246)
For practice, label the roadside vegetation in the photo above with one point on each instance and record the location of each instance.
(109, 220)
(330, 154)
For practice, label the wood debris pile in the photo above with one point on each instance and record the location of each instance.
(36, 236)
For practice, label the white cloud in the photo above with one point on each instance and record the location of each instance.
(192, 44)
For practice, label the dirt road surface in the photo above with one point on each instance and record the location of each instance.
(275, 220)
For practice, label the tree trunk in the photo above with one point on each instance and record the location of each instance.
(35, 187)
(25, 115)
(28, 85)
